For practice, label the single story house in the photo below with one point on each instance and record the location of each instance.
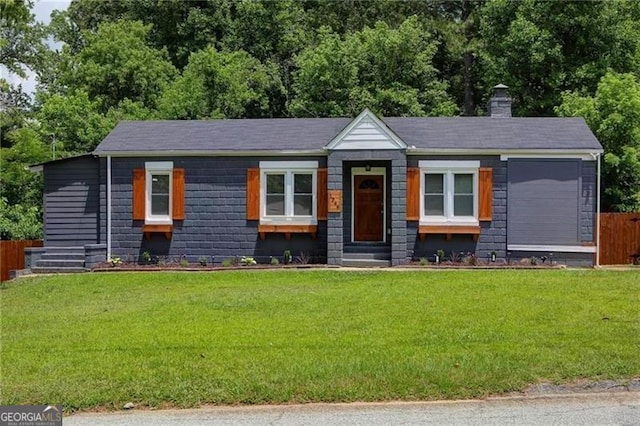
(367, 190)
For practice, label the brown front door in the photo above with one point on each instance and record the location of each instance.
(368, 207)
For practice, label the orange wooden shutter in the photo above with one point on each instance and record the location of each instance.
(485, 197)
(253, 194)
(322, 194)
(413, 193)
(138, 194)
(178, 194)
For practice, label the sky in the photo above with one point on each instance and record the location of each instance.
(42, 10)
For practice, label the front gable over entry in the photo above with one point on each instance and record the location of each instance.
(368, 132)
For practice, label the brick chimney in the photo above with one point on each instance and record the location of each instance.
(500, 104)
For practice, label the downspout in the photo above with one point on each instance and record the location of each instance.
(598, 216)
(108, 207)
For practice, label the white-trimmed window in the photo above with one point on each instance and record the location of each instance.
(449, 192)
(158, 192)
(288, 192)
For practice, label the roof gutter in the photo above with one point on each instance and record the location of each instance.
(108, 208)
(598, 156)
(502, 152)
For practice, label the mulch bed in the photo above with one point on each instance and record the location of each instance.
(106, 267)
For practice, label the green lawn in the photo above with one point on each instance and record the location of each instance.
(185, 339)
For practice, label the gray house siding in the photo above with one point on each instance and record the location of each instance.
(587, 202)
(215, 222)
(71, 202)
(544, 202)
(493, 234)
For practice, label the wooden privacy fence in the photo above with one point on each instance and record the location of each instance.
(12, 255)
(619, 238)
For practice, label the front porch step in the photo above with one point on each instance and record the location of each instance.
(60, 263)
(56, 270)
(62, 256)
(366, 263)
(367, 256)
(366, 248)
(59, 259)
(65, 250)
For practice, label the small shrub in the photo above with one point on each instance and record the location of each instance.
(145, 258)
(202, 260)
(470, 259)
(423, 261)
(274, 261)
(455, 257)
(440, 254)
(226, 263)
(160, 260)
(115, 261)
(248, 261)
(533, 261)
(304, 258)
(20, 221)
(286, 257)
(184, 262)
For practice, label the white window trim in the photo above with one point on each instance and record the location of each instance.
(157, 168)
(288, 168)
(449, 169)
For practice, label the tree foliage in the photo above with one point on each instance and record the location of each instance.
(115, 64)
(542, 48)
(222, 85)
(613, 114)
(389, 71)
(21, 44)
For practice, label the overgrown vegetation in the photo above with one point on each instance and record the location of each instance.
(186, 339)
(152, 59)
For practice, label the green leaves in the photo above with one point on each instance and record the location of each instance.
(614, 116)
(116, 63)
(389, 71)
(541, 48)
(222, 85)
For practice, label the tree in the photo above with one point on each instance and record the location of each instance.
(116, 64)
(222, 85)
(389, 71)
(18, 186)
(613, 114)
(21, 50)
(73, 122)
(21, 45)
(15, 106)
(541, 48)
(180, 27)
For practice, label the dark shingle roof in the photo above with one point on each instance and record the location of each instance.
(312, 134)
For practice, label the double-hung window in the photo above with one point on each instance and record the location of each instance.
(449, 192)
(158, 192)
(288, 192)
